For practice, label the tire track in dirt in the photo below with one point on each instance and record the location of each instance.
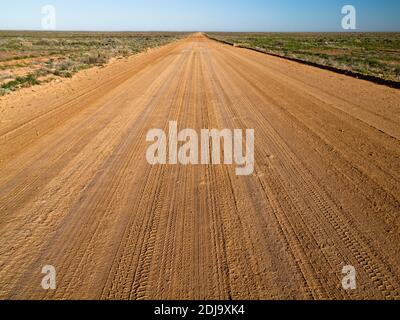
(77, 192)
(111, 178)
(333, 219)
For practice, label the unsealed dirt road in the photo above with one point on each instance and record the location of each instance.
(77, 193)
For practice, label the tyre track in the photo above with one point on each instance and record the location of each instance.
(80, 194)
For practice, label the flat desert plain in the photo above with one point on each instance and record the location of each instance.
(77, 193)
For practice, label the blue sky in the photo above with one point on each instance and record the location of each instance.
(202, 15)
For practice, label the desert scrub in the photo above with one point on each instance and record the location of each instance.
(4, 76)
(95, 58)
(397, 72)
(376, 54)
(20, 82)
(64, 53)
(4, 91)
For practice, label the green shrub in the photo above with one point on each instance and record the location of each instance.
(20, 82)
(4, 91)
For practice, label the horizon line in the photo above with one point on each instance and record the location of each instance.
(194, 31)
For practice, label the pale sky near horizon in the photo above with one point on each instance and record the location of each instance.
(201, 15)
